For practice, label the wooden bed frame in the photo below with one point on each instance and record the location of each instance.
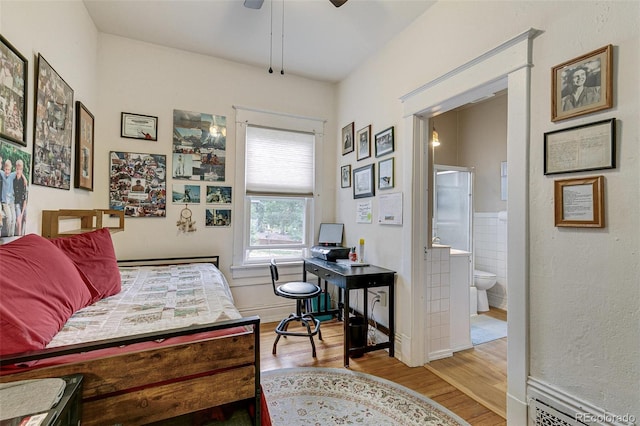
(155, 384)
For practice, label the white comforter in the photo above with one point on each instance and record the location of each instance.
(153, 298)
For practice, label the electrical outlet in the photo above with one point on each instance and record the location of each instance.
(382, 297)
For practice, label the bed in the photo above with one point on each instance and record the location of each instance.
(174, 354)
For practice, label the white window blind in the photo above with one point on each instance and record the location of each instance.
(279, 162)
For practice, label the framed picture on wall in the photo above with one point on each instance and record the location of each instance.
(138, 126)
(582, 85)
(347, 138)
(384, 142)
(385, 174)
(364, 182)
(84, 148)
(579, 202)
(52, 128)
(363, 139)
(345, 176)
(580, 148)
(13, 88)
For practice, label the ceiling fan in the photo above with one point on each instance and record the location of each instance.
(257, 4)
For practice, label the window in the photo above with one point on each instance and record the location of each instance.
(279, 182)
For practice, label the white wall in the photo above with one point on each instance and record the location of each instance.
(64, 34)
(584, 289)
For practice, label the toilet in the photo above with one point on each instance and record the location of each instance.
(483, 281)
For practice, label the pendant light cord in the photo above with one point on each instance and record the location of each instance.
(282, 47)
(271, 40)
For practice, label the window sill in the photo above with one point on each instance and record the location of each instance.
(255, 270)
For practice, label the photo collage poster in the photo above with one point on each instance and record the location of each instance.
(137, 184)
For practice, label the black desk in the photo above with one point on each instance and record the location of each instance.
(350, 278)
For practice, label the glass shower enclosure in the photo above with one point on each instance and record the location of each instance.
(453, 202)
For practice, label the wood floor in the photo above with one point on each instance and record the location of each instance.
(480, 372)
(296, 352)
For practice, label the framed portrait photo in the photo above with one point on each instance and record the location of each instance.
(579, 202)
(52, 128)
(363, 139)
(582, 85)
(345, 176)
(384, 142)
(347, 138)
(84, 148)
(13, 88)
(364, 182)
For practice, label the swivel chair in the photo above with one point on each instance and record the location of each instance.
(300, 291)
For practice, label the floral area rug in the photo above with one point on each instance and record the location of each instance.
(334, 396)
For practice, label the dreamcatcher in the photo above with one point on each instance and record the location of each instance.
(185, 224)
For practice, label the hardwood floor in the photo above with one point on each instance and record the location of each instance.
(296, 352)
(480, 372)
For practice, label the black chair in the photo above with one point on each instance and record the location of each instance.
(301, 292)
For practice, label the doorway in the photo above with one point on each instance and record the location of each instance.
(506, 66)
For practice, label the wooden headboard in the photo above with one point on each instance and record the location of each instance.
(90, 220)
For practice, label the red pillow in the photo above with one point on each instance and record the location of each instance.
(94, 256)
(41, 288)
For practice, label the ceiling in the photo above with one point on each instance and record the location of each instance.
(320, 41)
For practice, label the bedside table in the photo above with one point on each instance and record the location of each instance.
(67, 412)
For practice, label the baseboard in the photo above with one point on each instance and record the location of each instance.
(268, 313)
(583, 412)
(444, 353)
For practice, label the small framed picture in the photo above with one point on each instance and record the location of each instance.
(385, 174)
(363, 139)
(384, 142)
(138, 126)
(579, 202)
(184, 194)
(347, 138)
(582, 85)
(345, 176)
(13, 90)
(364, 182)
(84, 147)
(218, 218)
(218, 194)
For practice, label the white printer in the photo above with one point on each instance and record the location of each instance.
(329, 243)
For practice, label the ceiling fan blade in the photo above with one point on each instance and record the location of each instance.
(337, 3)
(253, 4)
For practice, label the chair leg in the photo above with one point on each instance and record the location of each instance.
(274, 344)
(313, 344)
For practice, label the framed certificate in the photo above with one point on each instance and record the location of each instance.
(136, 126)
(579, 202)
(581, 148)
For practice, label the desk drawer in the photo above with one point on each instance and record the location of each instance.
(325, 274)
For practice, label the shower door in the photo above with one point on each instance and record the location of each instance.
(453, 207)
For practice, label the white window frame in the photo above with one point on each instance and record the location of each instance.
(304, 246)
(251, 116)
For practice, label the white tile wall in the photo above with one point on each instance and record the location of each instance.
(490, 253)
(437, 303)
